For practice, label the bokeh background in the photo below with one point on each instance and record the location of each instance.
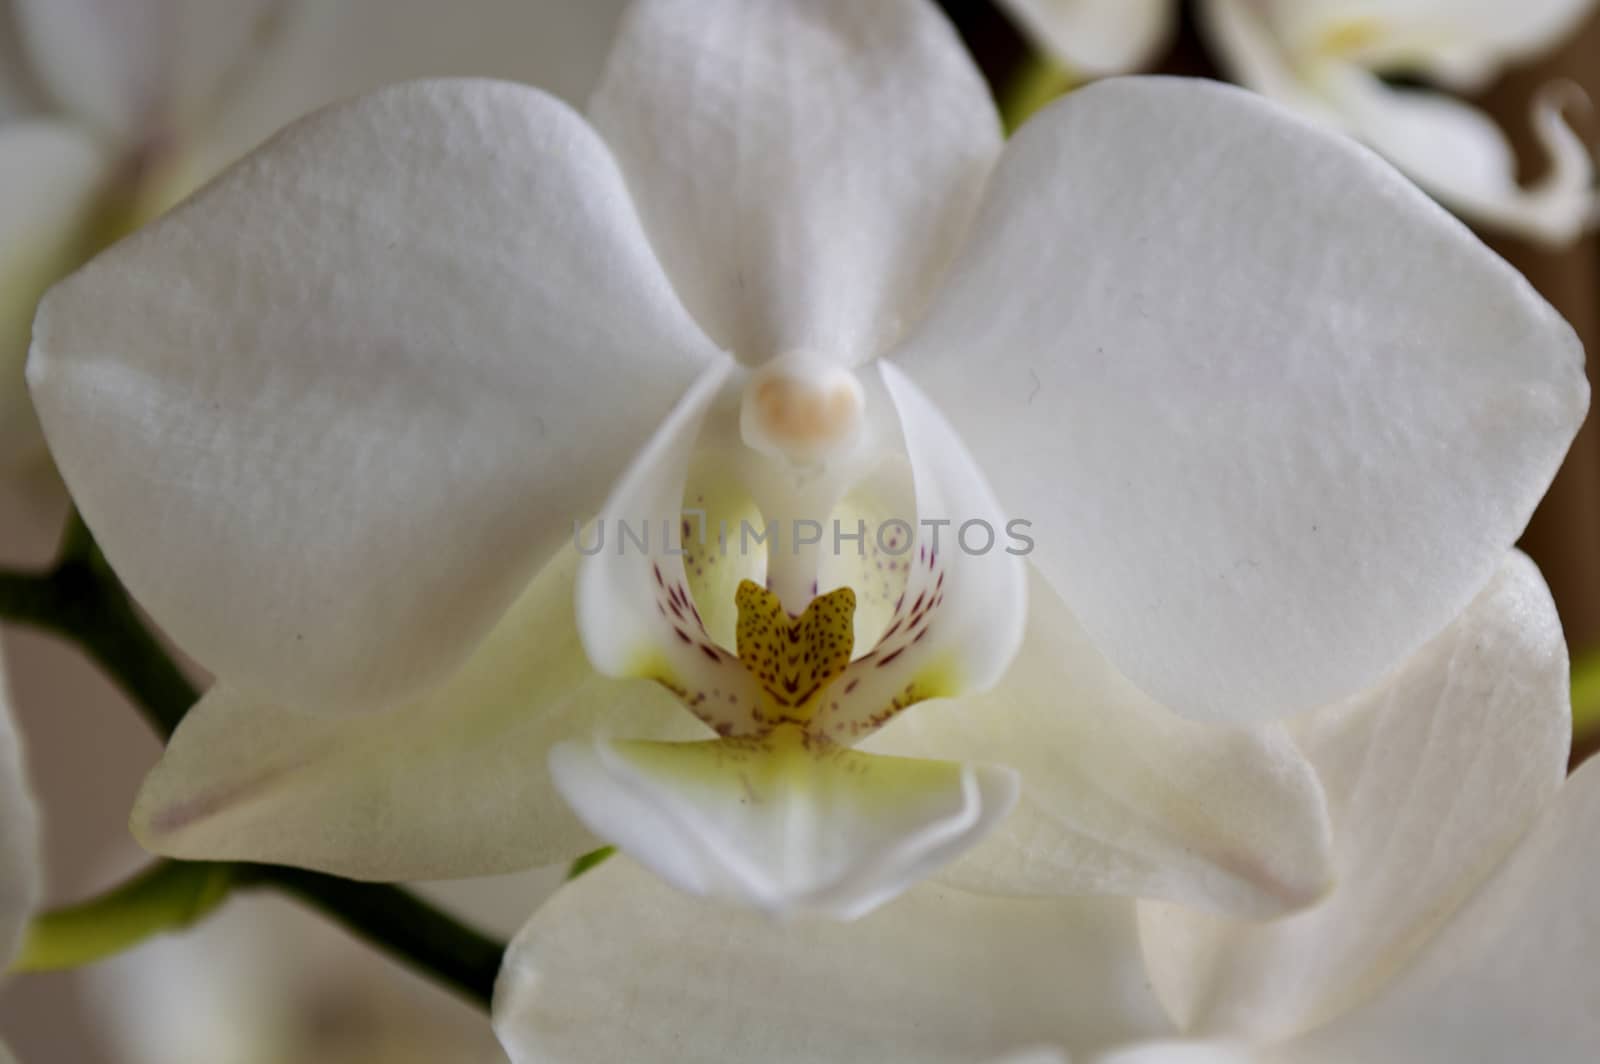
(89, 750)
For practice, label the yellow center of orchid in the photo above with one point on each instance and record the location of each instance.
(794, 659)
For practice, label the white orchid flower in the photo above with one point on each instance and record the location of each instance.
(332, 420)
(1462, 927)
(111, 112)
(1328, 59)
(265, 981)
(21, 858)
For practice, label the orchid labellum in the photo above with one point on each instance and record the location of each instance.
(1271, 416)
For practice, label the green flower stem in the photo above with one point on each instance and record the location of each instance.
(167, 896)
(81, 600)
(1586, 697)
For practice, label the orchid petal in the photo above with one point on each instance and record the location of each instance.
(138, 69)
(1187, 1052)
(1511, 974)
(617, 966)
(361, 387)
(331, 50)
(1119, 796)
(1457, 153)
(779, 823)
(869, 123)
(1097, 37)
(1281, 425)
(959, 618)
(1431, 779)
(50, 175)
(452, 784)
(21, 859)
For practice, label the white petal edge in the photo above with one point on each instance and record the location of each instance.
(50, 175)
(1459, 154)
(1510, 975)
(451, 784)
(1120, 796)
(618, 966)
(329, 416)
(1431, 779)
(1286, 417)
(804, 170)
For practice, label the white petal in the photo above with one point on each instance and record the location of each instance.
(1250, 49)
(1458, 154)
(50, 174)
(1511, 977)
(452, 784)
(21, 859)
(1431, 779)
(1119, 796)
(960, 616)
(620, 967)
(803, 170)
(141, 69)
(779, 826)
(328, 417)
(635, 611)
(1276, 417)
(1097, 37)
(330, 50)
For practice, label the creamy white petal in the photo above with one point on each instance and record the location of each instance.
(960, 615)
(328, 417)
(804, 170)
(1119, 796)
(635, 612)
(144, 69)
(1469, 39)
(50, 175)
(1511, 977)
(781, 824)
(21, 858)
(1097, 37)
(1458, 154)
(1248, 47)
(1431, 779)
(333, 49)
(452, 784)
(1275, 415)
(618, 966)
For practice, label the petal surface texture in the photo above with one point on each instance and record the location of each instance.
(1275, 415)
(1097, 37)
(804, 170)
(452, 784)
(1511, 977)
(1431, 779)
(619, 966)
(362, 386)
(1120, 796)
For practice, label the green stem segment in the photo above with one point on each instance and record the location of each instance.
(165, 897)
(82, 600)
